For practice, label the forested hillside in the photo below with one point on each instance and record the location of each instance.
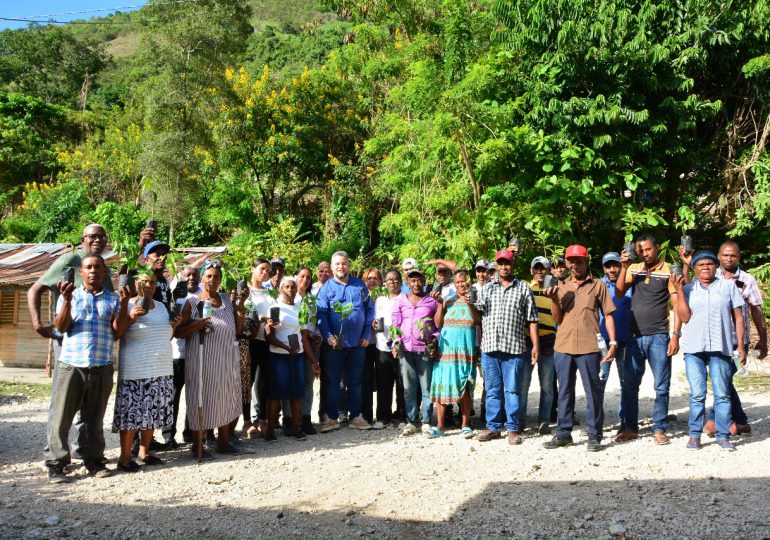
(392, 128)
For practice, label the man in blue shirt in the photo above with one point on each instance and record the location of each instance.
(348, 292)
(88, 317)
(622, 317)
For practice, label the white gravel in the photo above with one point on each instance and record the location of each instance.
(351, 484)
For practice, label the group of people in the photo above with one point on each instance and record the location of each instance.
(255, 352)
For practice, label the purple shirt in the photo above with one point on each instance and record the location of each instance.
(406, 316)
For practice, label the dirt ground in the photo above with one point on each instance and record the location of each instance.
(351, 484)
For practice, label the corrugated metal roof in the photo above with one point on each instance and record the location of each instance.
(22, 264)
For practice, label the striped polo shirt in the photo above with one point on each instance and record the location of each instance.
(711, 326)
(546, 328)
(649, 302)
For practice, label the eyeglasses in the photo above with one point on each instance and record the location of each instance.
(392, 280)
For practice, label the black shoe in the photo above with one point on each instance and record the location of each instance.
(557, 442)
(187, 437)
(130, 467)
(594, 445)
(270, 437)
(156, 445)
(56, 475)
(97, 469)
(299, 435)
(286, 426)
(171, 444)
(307, 426)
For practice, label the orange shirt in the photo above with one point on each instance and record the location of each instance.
(581, 302)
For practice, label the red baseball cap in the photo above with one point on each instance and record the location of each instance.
(575, 250)
(505, 255)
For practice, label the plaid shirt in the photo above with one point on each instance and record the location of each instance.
(89, 341)
(505, 314)
(751, 297)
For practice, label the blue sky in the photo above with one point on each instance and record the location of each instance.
(30, 8)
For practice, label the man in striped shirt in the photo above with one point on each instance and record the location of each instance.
(539, 267)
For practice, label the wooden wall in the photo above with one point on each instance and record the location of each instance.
(20, 345)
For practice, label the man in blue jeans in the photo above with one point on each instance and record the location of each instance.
(621, 318)
(539, 267)
(344, 293)
(508, 308)
(650, 342)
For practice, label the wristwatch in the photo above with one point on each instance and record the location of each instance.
(677, 333)
(615, 343)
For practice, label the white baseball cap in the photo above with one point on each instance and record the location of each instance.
(408, 264)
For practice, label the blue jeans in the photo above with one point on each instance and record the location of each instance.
(567, 366)
(738, 415)
(604, 375)
(502, 381)
(350, 361)
(545, 373)
(720, 370)
(653, 349)
(416, 372)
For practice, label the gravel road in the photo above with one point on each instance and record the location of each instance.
(352, 484)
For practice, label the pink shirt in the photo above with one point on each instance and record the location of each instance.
(406, 316)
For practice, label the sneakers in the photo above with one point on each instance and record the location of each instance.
(56, 475)
(488, 435)
(693, 443)
(299, 435)
(425, 429)
(360, 423)
(97, 469)
(724, 444)
(330, 425)
(514, 438)
(543, 428)
(409, 429)
(270, 437)
(378, 425)
(626, 436)
(594, 445)
(710, 428)
(401, 426)
(343, 418)
(557, 442)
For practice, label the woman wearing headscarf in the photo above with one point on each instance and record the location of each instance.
(711, 310)
(216, 376)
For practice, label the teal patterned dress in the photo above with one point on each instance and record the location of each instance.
(456, 367)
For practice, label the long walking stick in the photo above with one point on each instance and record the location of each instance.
(201, 335)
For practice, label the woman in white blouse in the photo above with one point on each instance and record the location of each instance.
(290, 348)
(144, 398)
(386, 367)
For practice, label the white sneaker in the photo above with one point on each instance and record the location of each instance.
(343, 419)
(329, 425)
(360, 423)
(425, 428)
(378, 425)
(409, 429)
(401, 426)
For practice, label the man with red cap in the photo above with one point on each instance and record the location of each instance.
(508, 311)
(575, 307)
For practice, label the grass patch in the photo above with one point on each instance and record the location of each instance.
(14, 392)
(753, 382)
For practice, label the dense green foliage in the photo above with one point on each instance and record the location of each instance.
(394, 128)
